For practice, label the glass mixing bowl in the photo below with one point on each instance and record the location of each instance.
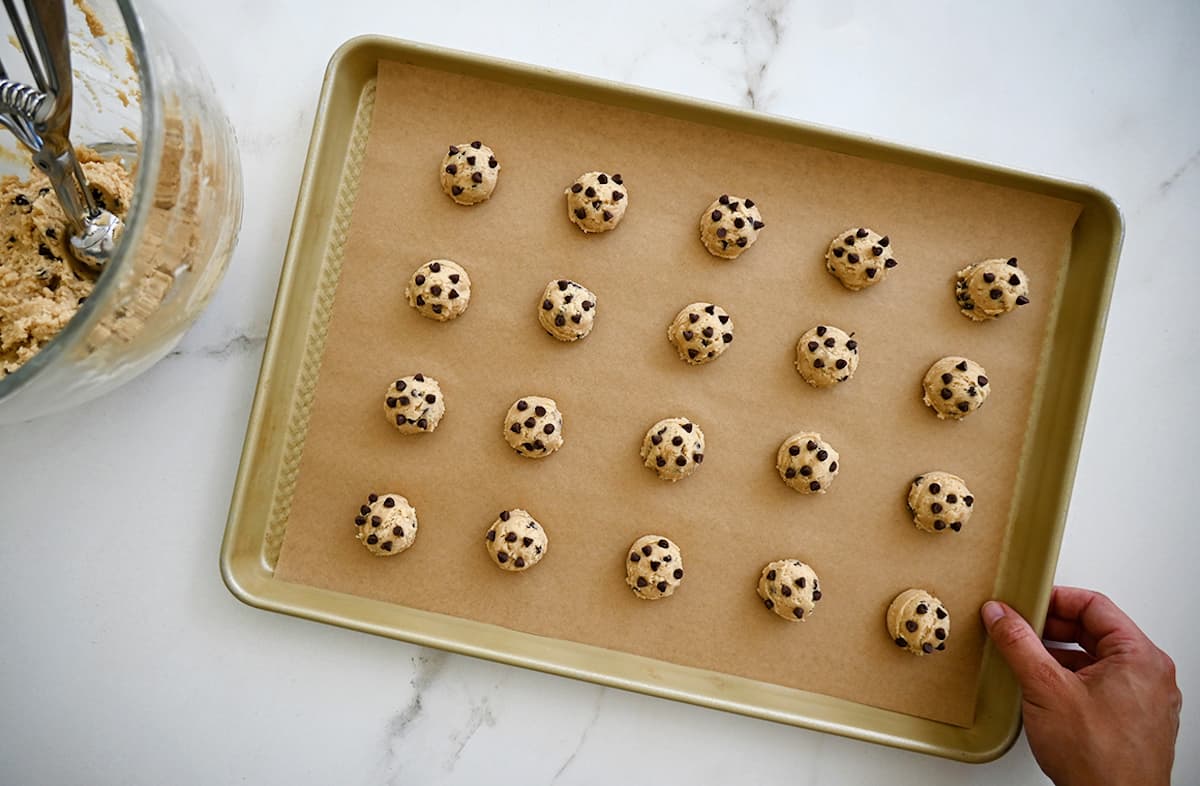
(141, 95)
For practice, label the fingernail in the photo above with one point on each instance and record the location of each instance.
(991, 612)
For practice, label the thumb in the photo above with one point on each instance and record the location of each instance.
(1040, 675)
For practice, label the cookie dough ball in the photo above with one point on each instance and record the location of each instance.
(654, 568)
(789, 588)
(469, 173)
(439, 290)
(860, 257)
(701, 332)
(596, 201)
(955, 387)
(918, 622)
(386, 525)
(674, 448)
(729, 226)
(414, 405)
(516, 541)
(826, 356)
(940, 502)
(991, 288)
(567, 310)
(534, 427)
(807, 463)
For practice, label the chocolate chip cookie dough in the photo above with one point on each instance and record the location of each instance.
(860, 258)
(807, 463)
(414, 404)
(469, 173)
(596, 201)
(955, 387)
(387, 524)
(701, 332)
(654, 567)
(39, 290)
(826, 356)
(534, 427)
(789, 588)
(918, 622)
(991, 288)
(567, 310)
(516, 541)
(730, 226)
(940, 502)
(673, 448)
(439, 290)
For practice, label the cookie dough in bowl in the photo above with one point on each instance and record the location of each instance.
(918, 622)
(516, 541)
(533, 427)
(567, 310)
(730, 226)
(826, 356)
(596, 201)
(955, 387)
(860, 257)
(991, 288)
(789, 588)
(701, 332)
(386, 525)
(439, 290)
(414, 404)
(654, 567)
(807, 463)
(469, 173)
(940, 502)
(673, 448)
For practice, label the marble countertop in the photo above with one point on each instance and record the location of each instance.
(125, 660)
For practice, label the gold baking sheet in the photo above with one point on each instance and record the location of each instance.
(593, 496)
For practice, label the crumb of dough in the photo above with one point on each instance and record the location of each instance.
(39, 291)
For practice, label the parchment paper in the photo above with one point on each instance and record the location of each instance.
(593, 496)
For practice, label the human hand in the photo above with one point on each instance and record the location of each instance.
(1105, 714)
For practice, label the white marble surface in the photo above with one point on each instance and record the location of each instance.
(125, 660)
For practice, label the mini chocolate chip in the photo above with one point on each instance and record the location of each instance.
(453, 150)
(635, 557)
(816, 593)
(982, 380)
(935, 488)
(794, 450)
(575, 189)
(723, 199)
(798, 612)
(617, 196)
(963, 406)
(721, 232)
(956, 525)
(501, 557)
(883, 241)
(839, 252)
(660, 461)
(900, 642)
(588, 305)
(372, 539)
(849, 240)
(969, 500)
(430, 398)
(852, 345)
(687, 427)
(476, 144)
(456, 190)
(510, 537)
(741, 242)
(580, 212)
(936, 507)
(952, 498)
(814, 486)
(922, 608)
(947, 378)
(785, 590)
(770, 604)
(548, 428)
(748, 202)
(861, 232)
(910, 626)
(876, 250)
(727, 338)
(811, 445)
(477, 177)
(947, 394)
(405, 401)
(871, 271)
(806, 470)
(1012, 262)
(789, 473)
(841, 363)
(515, 428)
(995, 294)
(678, 573)
(492, 163)
(560, 320)
(602, 178)
(962, 365)
(504, 515)
(641, 581)
(519, 562)
(529, 422)
(822, 455)
(739, 222)
(607, 215)
(547, 305)
(576, 318)
(733, 205)
(927, 648)
(989, 278)
(818, 363)
(698, 458)
(616, 178)
(708, 332)
(662, 586)
(359, 520)
(812, 346)
(1022, 300)
(453, 294)
(451, 169)
(419, 280)
(681, 461)
(852, 258)
(890, 263)
(941, 613)
(391, 402)
(716, 215)
(522, 405)
(833, 466)
(758, 225)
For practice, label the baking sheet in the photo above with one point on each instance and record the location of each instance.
(593, 496)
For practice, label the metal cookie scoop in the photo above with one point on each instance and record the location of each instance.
(41, 119)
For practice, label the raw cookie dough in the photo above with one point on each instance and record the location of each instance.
(807, 463)
(534, 427)
(701, 332)
(596, 201)
(386, 525)
(414, 404)
(860, 257)
(940, 502)
(730, 226)
(789, 588)
(674, 448)
(469, 173)
(439, 290)
(516, 541)
(654, 568)
(567, 310)
(992, 288)
(918, 622)
(955, 387)
(39, 291)
(826, 356)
